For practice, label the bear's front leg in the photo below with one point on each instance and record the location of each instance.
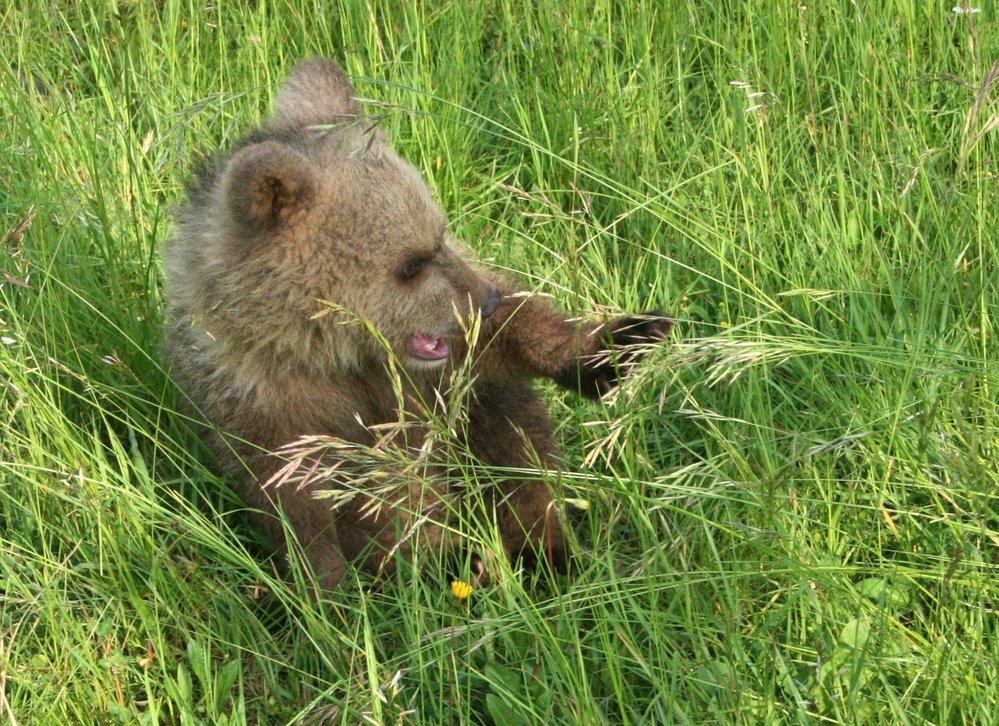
(314, 540)
(375, 528)
(509, 430)
(529, 337)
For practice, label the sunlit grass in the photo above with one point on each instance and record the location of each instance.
(790, 511)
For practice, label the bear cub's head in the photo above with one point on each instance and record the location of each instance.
(316, 208)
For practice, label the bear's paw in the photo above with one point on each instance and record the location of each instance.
(625, 342)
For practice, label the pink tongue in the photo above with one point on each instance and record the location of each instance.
(428, 347)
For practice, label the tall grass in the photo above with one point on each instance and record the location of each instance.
(792, 510)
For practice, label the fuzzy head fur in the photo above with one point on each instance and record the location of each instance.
(315, 211)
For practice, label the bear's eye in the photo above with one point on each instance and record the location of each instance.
(411, 268)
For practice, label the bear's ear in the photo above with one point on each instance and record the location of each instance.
(268, 185)
(317, 92)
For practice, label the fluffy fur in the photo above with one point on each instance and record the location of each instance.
(315, 206)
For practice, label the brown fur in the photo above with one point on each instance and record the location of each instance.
(315, 207)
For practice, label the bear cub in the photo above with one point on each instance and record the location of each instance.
(313, 289)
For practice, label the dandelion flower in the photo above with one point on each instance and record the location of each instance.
(461, 590)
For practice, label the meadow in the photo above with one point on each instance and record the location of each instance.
(791, 510)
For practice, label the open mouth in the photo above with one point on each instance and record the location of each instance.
(428, 347)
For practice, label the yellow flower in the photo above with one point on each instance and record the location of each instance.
(580, 504)
(461, 590)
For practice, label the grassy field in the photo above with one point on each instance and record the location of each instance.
(792, 510)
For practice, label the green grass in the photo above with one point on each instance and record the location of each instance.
(792, 510)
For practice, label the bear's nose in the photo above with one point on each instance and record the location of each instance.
(491, 302)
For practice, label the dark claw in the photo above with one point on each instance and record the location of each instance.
(647, 327)
(623, 346)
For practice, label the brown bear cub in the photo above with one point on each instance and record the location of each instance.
(313, 290)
